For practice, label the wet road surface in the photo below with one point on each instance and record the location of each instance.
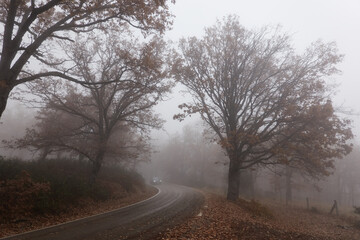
(142, 220)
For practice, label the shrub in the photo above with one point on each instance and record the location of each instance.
(18, 196)
(10, 168)
(50, 186)
(99, 192)
(129, 180)
(357, 210)
(314, 210)
(255, 208)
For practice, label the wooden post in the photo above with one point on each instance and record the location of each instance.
(307, 204)
(335, 207)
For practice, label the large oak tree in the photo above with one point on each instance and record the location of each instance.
(101, 121)
(29, 28)
(250, 87)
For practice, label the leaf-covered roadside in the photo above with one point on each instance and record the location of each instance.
(86, 208)
(38, 194)
(220, 219)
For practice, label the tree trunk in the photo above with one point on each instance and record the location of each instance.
(44, 153)
(233, 181)
(252, 186)
(97, 165)
(81, 157)
(288, 174)
(339, 190)
(4, 95)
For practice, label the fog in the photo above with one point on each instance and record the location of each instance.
(307, 21)
(184, 154)
(190, 158)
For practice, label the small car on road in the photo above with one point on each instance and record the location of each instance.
(156, 181)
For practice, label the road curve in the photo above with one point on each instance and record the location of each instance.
(141, 220)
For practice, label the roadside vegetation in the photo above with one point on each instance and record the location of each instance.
(59, 187)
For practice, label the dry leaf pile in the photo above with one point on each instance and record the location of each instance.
(220, 219)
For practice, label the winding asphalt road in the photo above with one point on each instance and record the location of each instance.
(142, 220)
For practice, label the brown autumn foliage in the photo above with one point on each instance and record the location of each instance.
(319, 137)
(108, 121)
(257, 95)
(31, 29)
(18, 196)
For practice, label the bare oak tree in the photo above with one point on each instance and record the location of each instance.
(248, 86)
(102, 120)
(31, 26)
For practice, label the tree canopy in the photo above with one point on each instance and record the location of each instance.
(107, 120)
(252, 90)
(31, 28)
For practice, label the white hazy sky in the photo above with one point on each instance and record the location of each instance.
(306, 21)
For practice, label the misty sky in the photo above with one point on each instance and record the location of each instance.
(307, 21)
